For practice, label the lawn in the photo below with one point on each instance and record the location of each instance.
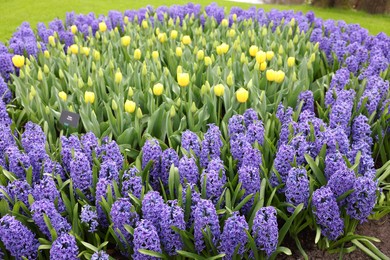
(13, 13)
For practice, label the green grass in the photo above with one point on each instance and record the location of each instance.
(14, 12)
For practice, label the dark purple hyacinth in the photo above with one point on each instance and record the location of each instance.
(361, 130)
(122, 213)
(190, 141)
(205, 216)
(249, 177)
(188, 170)
(327, 213)
(89, 217)
(145, 237)
(68, 146)
(100, 255)
(37, 156)
(18, 239)
(339, 80)
(47, 189)
(151, 151)
(172, 216)
(18, 162)
(24, 41)
(6, 66)
(5, 93)
(252, 157)
(89, 143)
(255, 133)
(265, 230)
(334, 162)
(101, 192)
(59, 223)
(131, 183)
(234, 235)
(53, 167)
(81, 172)
(336, 140)
(211, 145)
(214, 177)
(110, 151)
(297, 188)
(283, 160)
(341, 181)
(236, 126)
(4, 117)
(33, 137)
(361, 201)
(307, 99)
(195, 197)
(169, 157)
(64, 247)
(109, 170)
(19, 190)
(238, 145)
(151, 208)
(250, 117)
(6, 139)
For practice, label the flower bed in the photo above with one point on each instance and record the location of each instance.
(202, 135)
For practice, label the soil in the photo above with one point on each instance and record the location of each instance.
(375, 228)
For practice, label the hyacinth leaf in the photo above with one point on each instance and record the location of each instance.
(122, 237)
(319, 175)
(281, 250)
(4, 208)
(187, 210)
(357, 162)
(89, 246)
(44, 247)
(243, 202)
(260, 202)
(216, 257)
(350, 237)
(171, 182)
(228, 199)
(186, 237)
(152, 253)
(190, 255)
(365, 249)
(343, 250)
(283, 231)
(75, 221)
(344, 195)
(252, 244)
(52, 231)
(318, 235)
(129, 229)
(114, 235)
(10, 176)
(374, 249)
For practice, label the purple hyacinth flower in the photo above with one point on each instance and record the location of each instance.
(89, 143)
(334, 162)
(169, 157)
(131, 183)
(265, 230)
(151, 208)
(122, 213)
(250, 116)
(19, 190)
(33, 137)
(341, 181)
(109, 170)
(255, 133)
(297, 188)
(283, 160)
(172, 216)
(18, 162)
(151, 151)
(58, 222)
(188, 170)
(89, 217)
(18, 239)
(236, 125)
(205, 216)
(306, 97)
(110, 151)
(252, 157)
(47, 189)
(100, 255)
(190, 141)
(361, 201)
(249, 177)
(101, 192)
(5, 93)
(211, 145)
(327, 213)
(68, 146)
(238, 145)
(81, 172)
(64, 247)
(145, 237)
(234, 235)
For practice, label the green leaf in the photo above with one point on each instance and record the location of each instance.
(319, 175)
(90, 246)
(152, 253)
(283, 231)
(190, 255)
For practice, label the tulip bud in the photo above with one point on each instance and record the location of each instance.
(137, 54)
(114, 105)
(46, 53)
(118, 77)
(89, 97)
(145, 24)
(130, 106)
(39, 76)
(183, 79)
(219, 90)
(173, 34)
(144, 69)
(232, 33)
(155, 55)
(89, 82)
(291, 62)
(225, 22)
(125, 40)
(316, 46)
(46, 69)
(279, 76)
(193, 108)
(263, 66)
(312, 57)
(139, 113)
(264, 31)
(295, 40)
(278, 31)
(225, 48)
(281, 50)
(186, 40)
(73, 29)
(200, 55)
(179, 52)
(33, 92)
(126, 19)
(242, 95)
(270, 55)
(230, 79)
(63, 96)
(294, 77)
(61, 74)
(290, 31)
(172, 111)
(280, 61)
(253, 50)
(101, 73)
(158, 89)
(207, 61)
(80, 83)
(261, 56)
(102, 27)
(21, 74)
(18, 61)
(52, 40)
(270, 75)
(74, 48)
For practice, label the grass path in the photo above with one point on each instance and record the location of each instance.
(14, 12)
